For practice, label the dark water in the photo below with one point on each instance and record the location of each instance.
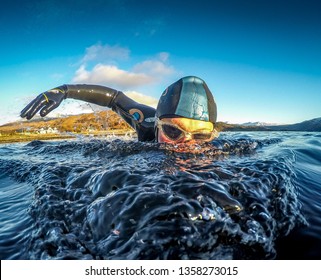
(244, 196)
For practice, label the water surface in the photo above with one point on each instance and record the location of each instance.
(243, 196)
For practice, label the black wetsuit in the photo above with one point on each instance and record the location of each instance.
(138, 116)
(189, 97)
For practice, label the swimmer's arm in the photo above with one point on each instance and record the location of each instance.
(138, 116)
(49, 100)
(126, 107)
(96, 94)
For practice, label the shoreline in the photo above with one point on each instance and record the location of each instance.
(19, 137)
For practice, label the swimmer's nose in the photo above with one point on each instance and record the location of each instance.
(188, 137)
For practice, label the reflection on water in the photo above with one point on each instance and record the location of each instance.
(235, 198)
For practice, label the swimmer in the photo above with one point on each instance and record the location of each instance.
(186, 111)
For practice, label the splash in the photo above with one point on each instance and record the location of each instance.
(95, 199)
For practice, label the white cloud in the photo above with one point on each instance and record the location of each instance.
(142, 98)
(155, 67)
(112, 76)
(144, 73)
(105, 53)
(9, 118)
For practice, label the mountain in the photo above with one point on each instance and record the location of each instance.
(310, 125)
(257, 124)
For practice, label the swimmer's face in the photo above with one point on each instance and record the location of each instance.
(182, 130)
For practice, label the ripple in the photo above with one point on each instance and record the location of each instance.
(99, 199)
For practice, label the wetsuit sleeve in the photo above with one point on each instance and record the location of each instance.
(138, 116)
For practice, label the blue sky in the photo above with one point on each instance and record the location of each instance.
(261, 59)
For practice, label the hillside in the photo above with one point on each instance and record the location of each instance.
(310, 125)
(108, 122)
(98, 123)
(105, 120)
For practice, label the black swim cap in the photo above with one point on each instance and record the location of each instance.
(189, 97)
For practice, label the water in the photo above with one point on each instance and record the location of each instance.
(244, 196)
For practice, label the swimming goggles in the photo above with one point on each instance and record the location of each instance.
(176, 133)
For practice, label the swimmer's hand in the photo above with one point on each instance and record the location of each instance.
(44, 102)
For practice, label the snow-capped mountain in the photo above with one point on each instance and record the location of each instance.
(258, 124)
